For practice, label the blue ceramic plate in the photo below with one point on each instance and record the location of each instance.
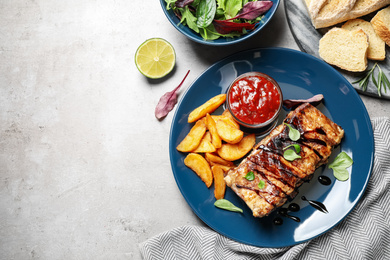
(300, 76)
(222, 40)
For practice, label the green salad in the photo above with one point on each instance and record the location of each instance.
(213, 19)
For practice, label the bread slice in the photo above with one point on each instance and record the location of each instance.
(376, 46)
(314, 7)
(381, 24)
(331, 11)
(363, 7)
(345, 49)
(325, 13)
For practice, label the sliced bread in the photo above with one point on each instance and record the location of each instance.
(332, 10)
(325, 13)
(314, 7)
(376, 46)
(363, 7)
(381, 24)
(345, 49)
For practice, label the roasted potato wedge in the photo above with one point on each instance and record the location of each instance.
(228, 133)
(212, 127)
(227, 113)
(212, 158)
(210, 106)
(227, 120)
(200, 166)
(205, 145)
(232, 152)
(225, 168)
(193, 138)
(219, 182)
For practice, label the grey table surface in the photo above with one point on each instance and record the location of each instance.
(84, 164)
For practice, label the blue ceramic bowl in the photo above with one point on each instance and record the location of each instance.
(174, 20)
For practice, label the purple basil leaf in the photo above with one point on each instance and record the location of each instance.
(252, 10)
(183, 3)
(225, 26)
(168, 101)
(293, 103)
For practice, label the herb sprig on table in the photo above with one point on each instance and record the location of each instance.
(379, 82)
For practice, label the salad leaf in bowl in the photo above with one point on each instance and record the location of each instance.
(219, 22)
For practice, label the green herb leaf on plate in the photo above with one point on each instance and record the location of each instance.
(261, 184)
(340, 165)
(250, 176)
(297, 147)
(291, 155)
(293, 133)
(227, 205)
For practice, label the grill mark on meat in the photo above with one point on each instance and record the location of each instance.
(267, 196)
(258, 170)
(272, 164)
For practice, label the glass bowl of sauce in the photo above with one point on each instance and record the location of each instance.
(255, 100)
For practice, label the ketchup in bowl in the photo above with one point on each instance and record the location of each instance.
(254, 99)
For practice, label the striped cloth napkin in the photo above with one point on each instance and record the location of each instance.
(363, 234)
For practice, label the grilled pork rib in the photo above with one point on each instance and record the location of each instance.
(319, 135)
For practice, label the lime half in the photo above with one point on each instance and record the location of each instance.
(155, 58)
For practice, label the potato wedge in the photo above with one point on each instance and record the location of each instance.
(225, 168)
(193, 138)
(227, 113)
(205, 145)
(200, 166)
(228, 133)
(212, 127)
(232, 152)
(227, 120)
(216, 159)
(219, 182)
(210, 106)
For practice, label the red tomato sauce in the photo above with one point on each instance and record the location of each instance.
(254, 99)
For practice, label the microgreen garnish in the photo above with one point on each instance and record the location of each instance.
(227, 205)
(296, 147)
(290, 154)
(293, 133)
(250, 176)
(381, 81)
(261, 184)
(340, 165)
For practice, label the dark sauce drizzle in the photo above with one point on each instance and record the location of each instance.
(293, 207)
(316, 204)
(324, 180)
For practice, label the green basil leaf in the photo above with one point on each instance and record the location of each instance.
(261, 184)
(340, 173)
(296, 147)
(293, 133)
(341, 160)
(290, 155)
(250, 176)
(340, 165)
(227, 205)
(205, 13)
